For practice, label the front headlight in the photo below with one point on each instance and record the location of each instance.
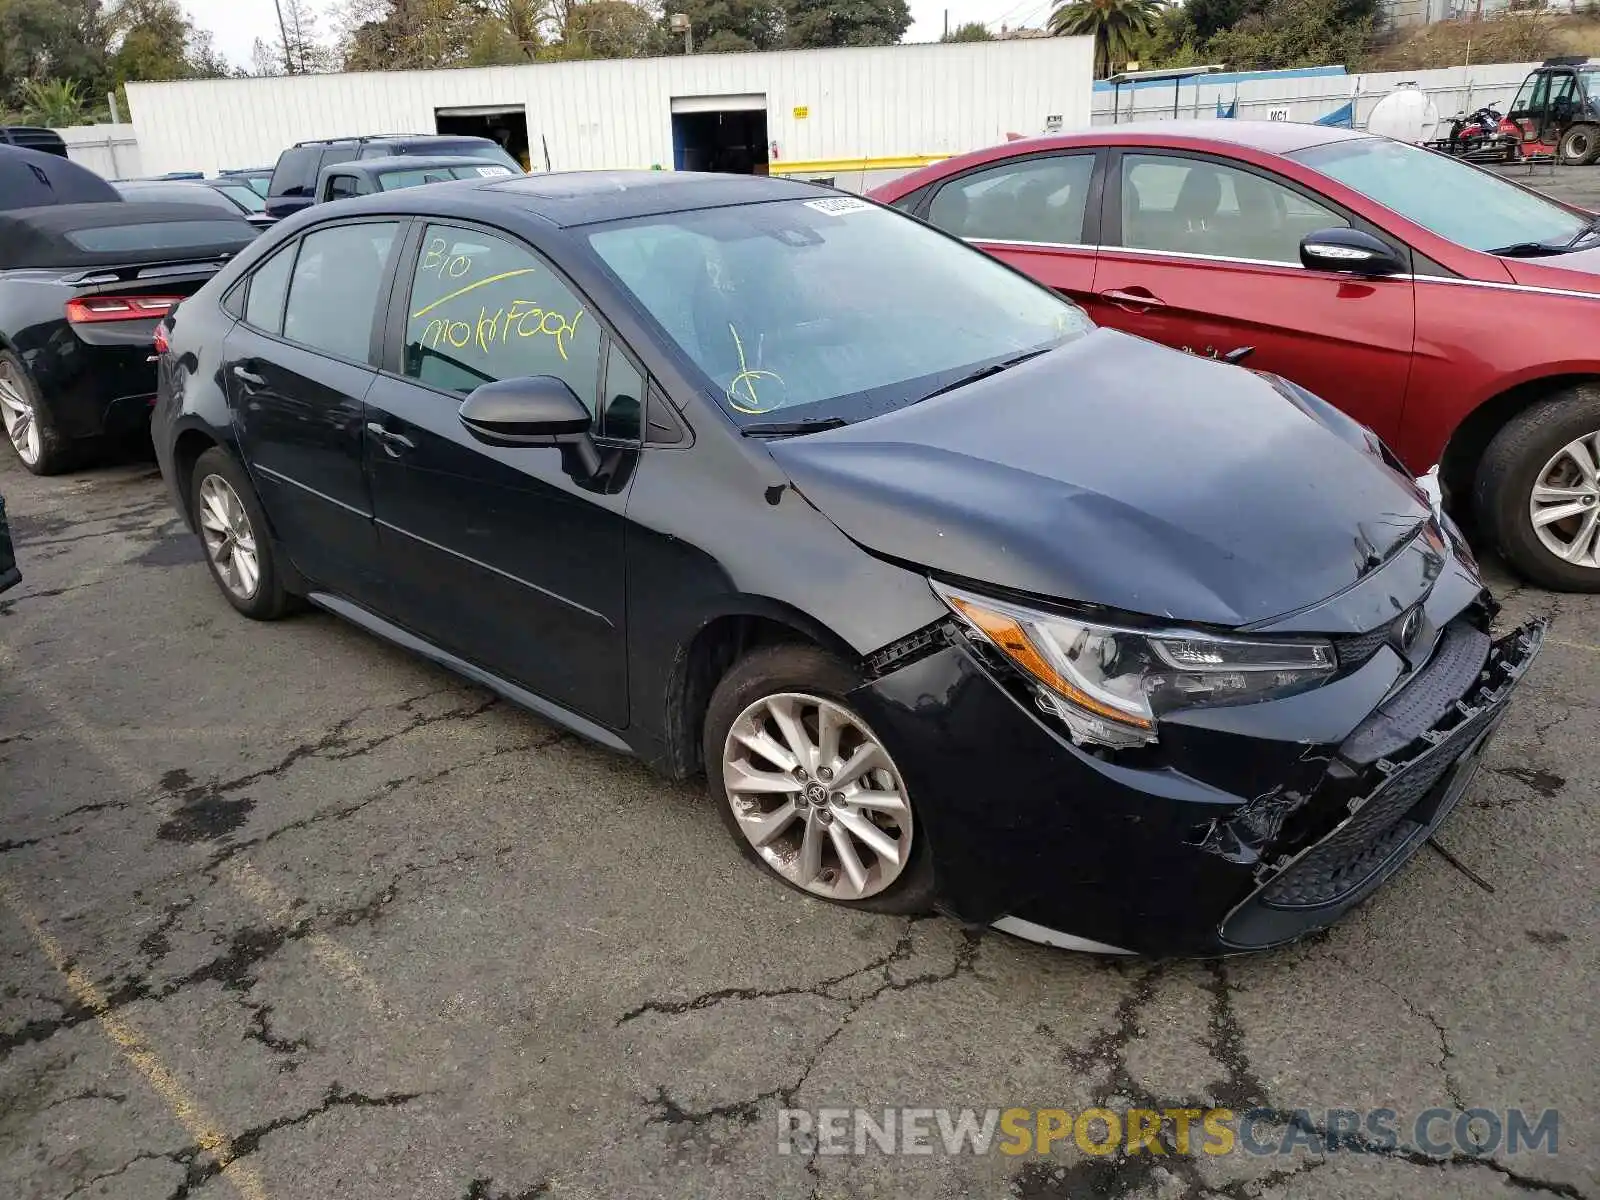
(1109, 684)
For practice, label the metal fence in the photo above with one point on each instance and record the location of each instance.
(1306, 95)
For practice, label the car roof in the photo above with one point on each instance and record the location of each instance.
(409, 138)
(1272, 137)
(568, 198)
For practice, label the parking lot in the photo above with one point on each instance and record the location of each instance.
(286, 912)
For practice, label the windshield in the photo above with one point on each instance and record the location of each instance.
(1470, 207)
(245, 196)
(828, 308)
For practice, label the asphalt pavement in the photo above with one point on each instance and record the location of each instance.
(286, 913)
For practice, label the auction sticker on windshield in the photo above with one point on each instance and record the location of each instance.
(839, 206)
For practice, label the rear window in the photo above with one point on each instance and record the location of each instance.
(468, 148)
(296, 172)
(390, 180)
(158, 235)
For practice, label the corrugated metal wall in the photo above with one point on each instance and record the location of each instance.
(890, 102)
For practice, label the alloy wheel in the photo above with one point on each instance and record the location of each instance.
(1565, 502)
(230, 541)
(22, 427)
(817, 796)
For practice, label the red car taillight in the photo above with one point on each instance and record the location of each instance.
(87, 310)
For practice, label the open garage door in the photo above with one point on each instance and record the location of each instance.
(720, 133)
(503, 123)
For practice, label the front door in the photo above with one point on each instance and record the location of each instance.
(501, 556)
(1029, 212)
(298, 371)
(1204, 256)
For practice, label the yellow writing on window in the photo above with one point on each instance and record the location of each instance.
(494, 327)
(471, 287)
(437, 260)
(742, 393)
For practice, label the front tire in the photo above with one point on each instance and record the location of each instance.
(1537, 492)
(27, 423)
(807, 790)
(1580, 146)
(233, 530)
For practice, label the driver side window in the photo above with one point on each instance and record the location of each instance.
(483, 308)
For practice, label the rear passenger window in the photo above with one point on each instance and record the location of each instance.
(268, 286)
(333, 295)
(1039, 199)
(483, 308)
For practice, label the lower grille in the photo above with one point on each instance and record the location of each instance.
(1405, 803)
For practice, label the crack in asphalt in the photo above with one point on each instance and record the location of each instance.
(261, 1031)
(1120, 1174)
(177, 1157)
(200, 1170)
(478, 1189)
(233, 970)
(669, 1112)
(1446, 1052)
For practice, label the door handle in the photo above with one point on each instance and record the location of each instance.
(1133, 298)
(248, 377)
(393, 442)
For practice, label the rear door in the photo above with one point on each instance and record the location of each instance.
(501, 556)
(1203, 255)
(1036, 212)
(299, 365)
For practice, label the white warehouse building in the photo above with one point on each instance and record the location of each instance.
(856, 116)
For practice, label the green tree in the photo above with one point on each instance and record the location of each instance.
(56, 103)
(972, 31)
(150, 40)
(609, 29)
(1112, 23)
(51, 39)
(1171, 41)
(720, 26)
(1296, 33)
(810, 23)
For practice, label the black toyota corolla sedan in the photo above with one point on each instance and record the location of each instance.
(957, 600)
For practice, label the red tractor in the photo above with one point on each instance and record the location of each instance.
(1557, 111)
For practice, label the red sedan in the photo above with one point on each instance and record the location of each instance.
(1453, 311)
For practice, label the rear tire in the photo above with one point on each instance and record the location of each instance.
(233, 532)
(809, 815)
(1580, 146)
(27, 421)
(1550, 536)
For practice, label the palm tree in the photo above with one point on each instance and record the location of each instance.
(1112, 23)
(55, 103)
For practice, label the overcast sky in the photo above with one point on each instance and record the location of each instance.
(237, 23)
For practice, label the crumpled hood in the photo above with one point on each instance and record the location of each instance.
(1117, 472)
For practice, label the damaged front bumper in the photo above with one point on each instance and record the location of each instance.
(1235, 836)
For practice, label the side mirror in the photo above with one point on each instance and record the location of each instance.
(538, 410)
(1350, 252)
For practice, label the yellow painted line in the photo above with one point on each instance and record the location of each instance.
(279, 908)
(823, 165)
(422, 312)
(245, 879)
(199, 1124)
